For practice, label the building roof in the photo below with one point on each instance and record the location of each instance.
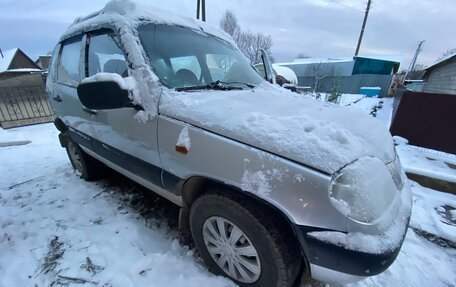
(8, 57)
(15, 60)
(319, 60)
(43, 61)
(395, 59)
(387, 58)
(441, 61)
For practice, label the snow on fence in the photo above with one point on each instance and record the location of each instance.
(21, 106)
(349, 84)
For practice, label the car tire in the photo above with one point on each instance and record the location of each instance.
(274, 254)
(84, 165)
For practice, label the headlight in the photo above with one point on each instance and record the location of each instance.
(395, 168)
(363, 190)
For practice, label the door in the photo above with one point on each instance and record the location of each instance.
(64, 97)
(119, 137)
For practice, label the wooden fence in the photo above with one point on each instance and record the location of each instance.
(24, 106)
(427, 120)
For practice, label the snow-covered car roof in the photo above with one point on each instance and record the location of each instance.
(128, 13)
(125, 16)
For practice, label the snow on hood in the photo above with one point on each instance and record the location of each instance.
(321, 135)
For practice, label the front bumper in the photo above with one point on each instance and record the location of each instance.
(331, 263)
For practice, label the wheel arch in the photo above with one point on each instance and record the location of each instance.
(60, 125)
(197, 186)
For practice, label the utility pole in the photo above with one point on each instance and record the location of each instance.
(203, 3)
(415, 57)
(201, 10)
(198, 6)
(362, 28)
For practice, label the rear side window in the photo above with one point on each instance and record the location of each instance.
(52, 65)
(68, 66)
(105, 56)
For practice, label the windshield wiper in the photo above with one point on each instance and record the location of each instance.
(217, 85)
(238, 83)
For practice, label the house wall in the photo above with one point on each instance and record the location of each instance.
(442, 80)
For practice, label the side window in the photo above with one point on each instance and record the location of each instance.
(68, 66)
(52, 65)
(105, 56)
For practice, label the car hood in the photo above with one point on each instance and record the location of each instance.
(317, 134)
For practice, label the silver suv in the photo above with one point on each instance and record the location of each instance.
(271, 184)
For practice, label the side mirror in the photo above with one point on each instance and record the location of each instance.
(291, 87)
(268, 71)
(103, 95)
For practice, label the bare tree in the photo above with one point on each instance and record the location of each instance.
(447, 53)
(229, 23)
(417, 72)
(251, 43)
(319, 71)
(248, 42)
(302, 56)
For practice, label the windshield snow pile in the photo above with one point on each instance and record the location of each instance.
(322, 135)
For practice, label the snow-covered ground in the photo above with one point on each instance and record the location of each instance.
(426, 162)
(58, 230)
(380, 108)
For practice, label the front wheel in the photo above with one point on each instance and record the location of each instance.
(84, 165)
(244, 245)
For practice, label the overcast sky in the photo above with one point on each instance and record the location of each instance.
(319, 28)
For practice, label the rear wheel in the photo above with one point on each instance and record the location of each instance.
(237, 240)
(84, 165)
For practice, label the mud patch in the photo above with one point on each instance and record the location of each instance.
(55, 253)
(442, 242)
(15, 143)
(447, 213)
(92, 268)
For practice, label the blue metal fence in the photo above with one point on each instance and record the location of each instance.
(349, 84)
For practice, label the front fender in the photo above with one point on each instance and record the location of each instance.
(299, 192)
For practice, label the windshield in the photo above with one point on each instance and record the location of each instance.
(182, 57)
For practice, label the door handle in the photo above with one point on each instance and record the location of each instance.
(57, 98)
(92, 112)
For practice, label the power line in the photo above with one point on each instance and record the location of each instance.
(378, 15)
(346, 6)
